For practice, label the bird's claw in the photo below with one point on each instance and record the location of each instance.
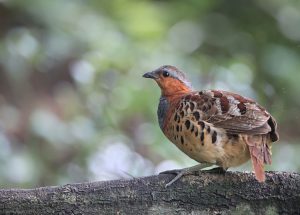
(178, 176)
(186, 171)
(178, 172)
(173, 172)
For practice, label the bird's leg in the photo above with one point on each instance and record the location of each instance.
(181, 172)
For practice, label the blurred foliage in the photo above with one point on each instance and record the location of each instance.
(73, 104)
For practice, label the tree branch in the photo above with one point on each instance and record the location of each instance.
(207, 193)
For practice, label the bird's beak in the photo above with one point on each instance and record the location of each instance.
(152, 75)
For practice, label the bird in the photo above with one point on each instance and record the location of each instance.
(213, 127)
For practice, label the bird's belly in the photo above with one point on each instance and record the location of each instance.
(236, 152)
(225, 152)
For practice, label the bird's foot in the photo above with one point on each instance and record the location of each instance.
(172, 171)
(181, 172)
(178, 172)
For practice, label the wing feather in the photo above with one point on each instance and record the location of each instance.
(232, 112)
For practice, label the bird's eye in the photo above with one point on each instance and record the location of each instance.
(166, 74)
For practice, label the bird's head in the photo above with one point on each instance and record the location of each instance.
(171, 80)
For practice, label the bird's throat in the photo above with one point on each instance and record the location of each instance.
(173, 88)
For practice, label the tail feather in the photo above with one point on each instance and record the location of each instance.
(258, 165)
(260, 153)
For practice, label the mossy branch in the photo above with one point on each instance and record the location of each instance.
(206, 193)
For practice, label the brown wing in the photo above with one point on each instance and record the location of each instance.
(232, 112)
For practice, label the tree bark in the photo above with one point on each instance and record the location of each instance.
(205, 193)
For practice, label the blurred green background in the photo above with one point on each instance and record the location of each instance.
(74, 106)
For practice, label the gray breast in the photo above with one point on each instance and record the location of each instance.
(162, 110)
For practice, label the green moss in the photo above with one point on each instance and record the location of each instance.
(243, 209)
(271, 211)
